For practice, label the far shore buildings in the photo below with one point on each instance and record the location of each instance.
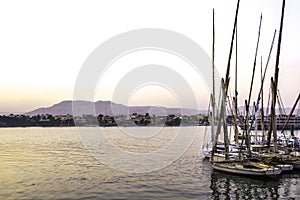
(134, 119)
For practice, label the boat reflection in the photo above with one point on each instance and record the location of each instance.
(226, 186)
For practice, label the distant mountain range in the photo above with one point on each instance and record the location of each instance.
(110, 108)
(113, 109)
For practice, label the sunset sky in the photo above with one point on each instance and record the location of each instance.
(45, 43)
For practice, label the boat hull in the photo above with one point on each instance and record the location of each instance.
(239, 169)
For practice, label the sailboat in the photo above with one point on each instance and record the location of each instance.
(240, 165)
(247, 168)
(274, 155)
(285, 151)
(244, 165)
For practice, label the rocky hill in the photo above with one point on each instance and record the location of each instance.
(110, 108)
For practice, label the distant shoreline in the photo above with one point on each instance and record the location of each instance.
(132, 120)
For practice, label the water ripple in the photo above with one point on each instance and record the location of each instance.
(52, 163)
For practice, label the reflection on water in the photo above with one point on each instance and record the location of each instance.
(228, 186)
(225, 186)
(52, 163)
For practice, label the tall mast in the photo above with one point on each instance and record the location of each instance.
(247, 129)
(276, 79)
(254, 64)
(272, 121)
(262, 101)
(225, 83)
(226, 138)
(213, 58)
(231, 45)
(235, 85)
(262, 82)
(269, 56)
(213, 79)
(235, 101)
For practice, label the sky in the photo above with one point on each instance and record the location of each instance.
(45, 43)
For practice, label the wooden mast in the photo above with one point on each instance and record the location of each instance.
(247, 129)
(262, 101)
(263, 79)
(226, 138)
(213, 79)
(230, 51)
(275, 84)
(226, 84)
(235, 101)
(272, 125)
(213, 59)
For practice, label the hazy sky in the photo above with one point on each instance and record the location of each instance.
(45, 43)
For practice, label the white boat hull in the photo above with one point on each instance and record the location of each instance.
(239, 169)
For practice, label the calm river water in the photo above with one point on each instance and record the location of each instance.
(53, 163)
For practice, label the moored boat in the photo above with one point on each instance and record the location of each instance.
(246, 168)
(285, 162)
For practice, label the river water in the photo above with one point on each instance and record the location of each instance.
(56, 163)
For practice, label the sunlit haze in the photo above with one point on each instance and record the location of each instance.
(45, 43)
